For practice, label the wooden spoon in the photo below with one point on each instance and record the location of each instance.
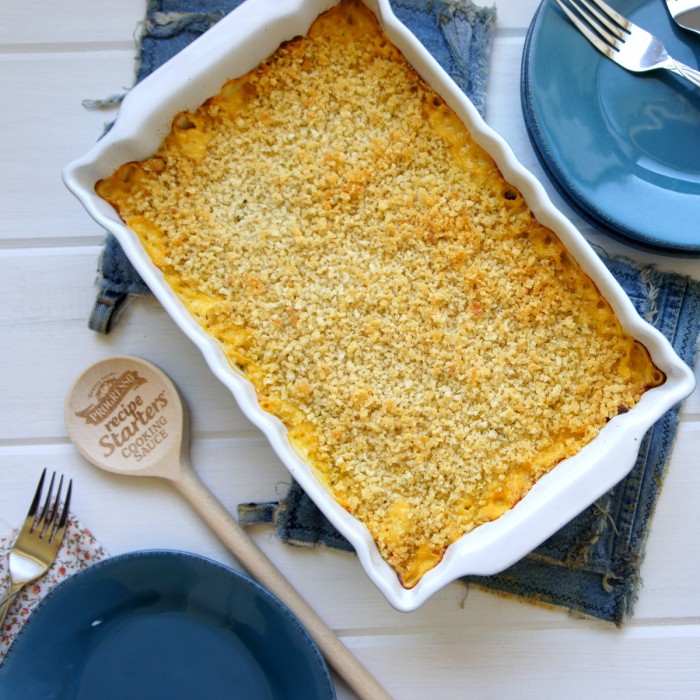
(124, 415)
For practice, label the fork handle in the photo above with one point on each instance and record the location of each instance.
(11, 594)
(690, 74)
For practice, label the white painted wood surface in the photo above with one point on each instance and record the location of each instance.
(54, 54)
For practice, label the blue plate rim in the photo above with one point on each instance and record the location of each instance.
(199, 560)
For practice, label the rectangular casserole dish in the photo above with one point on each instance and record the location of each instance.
(233, 47)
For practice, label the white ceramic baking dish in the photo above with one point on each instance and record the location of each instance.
(234, 46)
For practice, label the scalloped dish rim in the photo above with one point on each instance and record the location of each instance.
(235, 45)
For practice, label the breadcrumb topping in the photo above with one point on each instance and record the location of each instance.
(431, 347)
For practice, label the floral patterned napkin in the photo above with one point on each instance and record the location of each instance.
(78, 550)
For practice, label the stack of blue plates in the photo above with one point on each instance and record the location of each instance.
(623, 149)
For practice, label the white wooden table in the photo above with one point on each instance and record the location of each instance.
(55, 53)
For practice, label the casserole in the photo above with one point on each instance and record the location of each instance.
(230, 50)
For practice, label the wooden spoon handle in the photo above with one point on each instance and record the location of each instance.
(257, 564)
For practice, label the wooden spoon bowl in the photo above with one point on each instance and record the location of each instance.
(124, 415)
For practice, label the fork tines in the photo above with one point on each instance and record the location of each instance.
(597, 21)
(46, 516)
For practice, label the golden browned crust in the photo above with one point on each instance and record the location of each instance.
(431, 347)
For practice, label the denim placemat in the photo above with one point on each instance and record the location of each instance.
(591, 566)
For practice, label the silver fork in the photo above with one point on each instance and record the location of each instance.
(622, 41)
(38, 541)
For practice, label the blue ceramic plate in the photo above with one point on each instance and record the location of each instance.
(622, 148)
(162, 625)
